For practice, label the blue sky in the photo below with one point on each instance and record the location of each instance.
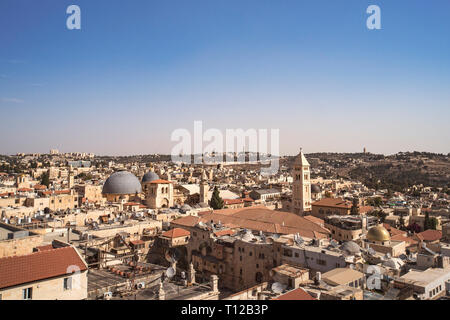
(137, 70)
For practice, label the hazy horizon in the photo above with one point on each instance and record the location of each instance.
(137, 71)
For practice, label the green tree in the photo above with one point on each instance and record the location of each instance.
(45, 179)
(355, 207)
(216, 200)
(427, 223)
(433, 222)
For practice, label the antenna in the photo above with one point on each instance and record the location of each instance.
(298, 240)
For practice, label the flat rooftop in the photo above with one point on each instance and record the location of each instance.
(423, 278)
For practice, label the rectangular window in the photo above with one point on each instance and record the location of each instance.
(27, 293)
(287, 253)
(68, 283)
(321, 262)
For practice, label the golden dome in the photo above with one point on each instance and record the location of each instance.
(379, 234)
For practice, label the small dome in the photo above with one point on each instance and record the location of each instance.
(351, 247)
(185, 208)
(149, 177)
(122, 182)
(378, 234)
(315, 188)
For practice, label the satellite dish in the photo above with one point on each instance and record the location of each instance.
(388, 255)
(403, 257)
(183, 275)
(278, 287)
(170, 272)
(334, 243)
(172, 255)
(371, 251)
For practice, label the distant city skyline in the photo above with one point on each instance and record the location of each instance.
(136, 72)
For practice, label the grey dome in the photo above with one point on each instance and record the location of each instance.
(122, 182)
(351, 247)
(149, 177)
(315, 188)
(185, 207)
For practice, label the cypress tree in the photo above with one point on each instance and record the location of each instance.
(216, 200)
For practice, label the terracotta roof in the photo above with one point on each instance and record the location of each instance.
(47, 193)
(176, 233)
(17, 270)
(333, 202)
(260, 218)
(6, 194)
(400, 237)
(44, 248)
(131, 204)
(136, 242)
(316, 220)
(39, 187)
(160, 181)
(224, 232)
(24, 190)
(232, 201)
(430, 235)
(202, 213)
(393, 231)
(297, 294)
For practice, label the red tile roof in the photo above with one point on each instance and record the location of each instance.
(393, 231)
(160, 181)
(224, 232)
(409, 241)
(430, 235)
(297, 294)
(316, 220)
(333, 202)
(17, 270)
(232, 201)
(47, 193)
(45, 248)
(176, 233)
(259, 218)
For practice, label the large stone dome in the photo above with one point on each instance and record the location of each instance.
(122, 182)
(379, 234)
(149, 177)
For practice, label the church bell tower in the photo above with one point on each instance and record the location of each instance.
(301, 187)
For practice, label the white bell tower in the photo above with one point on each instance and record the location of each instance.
(301, 187)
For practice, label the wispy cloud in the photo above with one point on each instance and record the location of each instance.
(13, 100)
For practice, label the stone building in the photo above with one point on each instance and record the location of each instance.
(48, 274)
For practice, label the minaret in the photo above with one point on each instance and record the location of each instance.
(204, 189)
(301, 187)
